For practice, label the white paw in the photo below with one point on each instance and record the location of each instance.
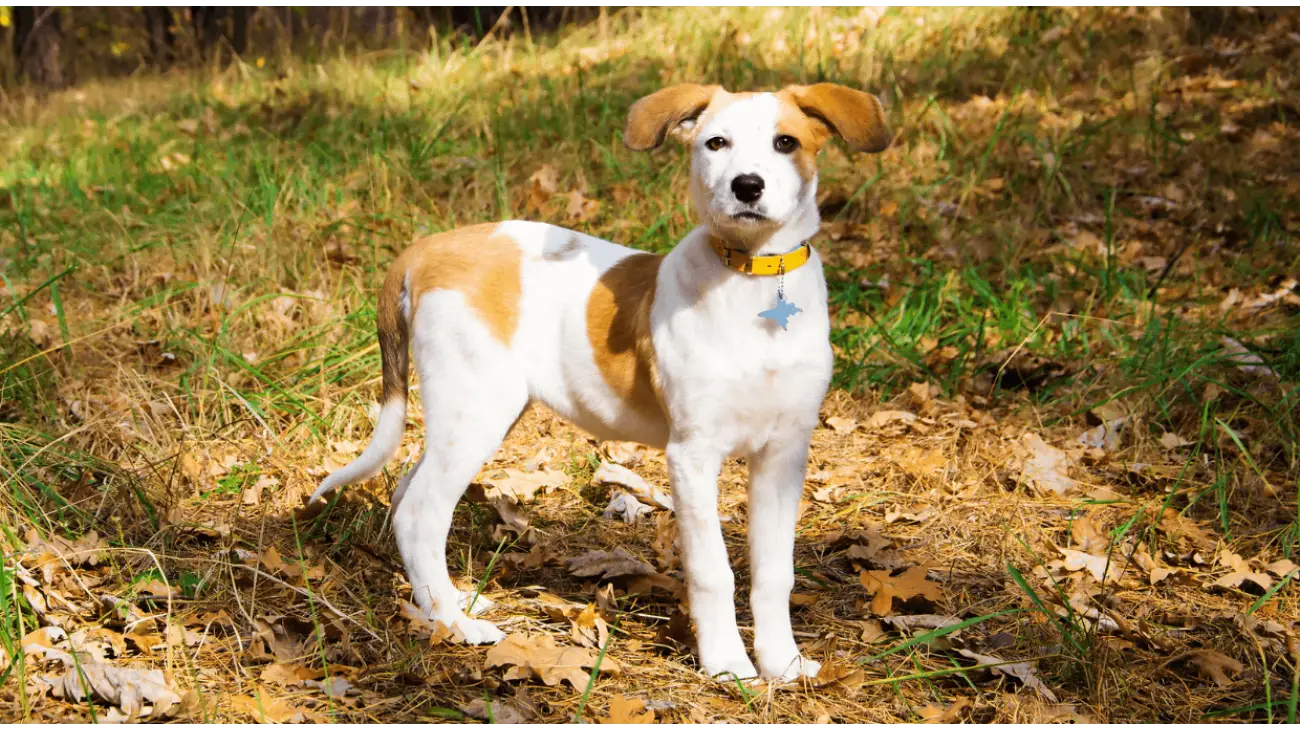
(789, 668)
(729, 668)
(476, 631)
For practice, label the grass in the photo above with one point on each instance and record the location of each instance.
(1082, 211)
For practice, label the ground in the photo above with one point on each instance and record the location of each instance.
(1057, 475)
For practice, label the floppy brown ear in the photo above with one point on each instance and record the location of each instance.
(855, 115)
(652, 117)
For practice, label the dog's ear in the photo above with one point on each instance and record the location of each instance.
(652, 117)
(854, 115)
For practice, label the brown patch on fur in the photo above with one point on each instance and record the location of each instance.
(855, 115)
(483, 267)
(652, 117)
(812, 133)
(618, 327)
(470, 260)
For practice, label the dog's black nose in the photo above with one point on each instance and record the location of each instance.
(748, 188)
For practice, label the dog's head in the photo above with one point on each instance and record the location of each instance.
(754, 155)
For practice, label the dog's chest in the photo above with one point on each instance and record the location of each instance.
(728, 371)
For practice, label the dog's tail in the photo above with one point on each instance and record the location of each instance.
(394, 339)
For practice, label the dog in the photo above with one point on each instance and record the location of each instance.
(719, 348)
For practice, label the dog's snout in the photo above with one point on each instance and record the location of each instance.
(747, 188)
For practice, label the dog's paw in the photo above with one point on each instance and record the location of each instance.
(789, 668)
(729, 668)
(476, 631)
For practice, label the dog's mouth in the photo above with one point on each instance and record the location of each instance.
(749, 216)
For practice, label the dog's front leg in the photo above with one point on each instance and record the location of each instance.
(693, 468)
(776, 476)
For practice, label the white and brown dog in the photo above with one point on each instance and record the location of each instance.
(718, 348)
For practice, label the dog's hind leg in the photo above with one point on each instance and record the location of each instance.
(472, 393)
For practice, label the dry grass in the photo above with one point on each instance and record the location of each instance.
(1080, 207)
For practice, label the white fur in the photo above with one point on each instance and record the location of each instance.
(734, 385)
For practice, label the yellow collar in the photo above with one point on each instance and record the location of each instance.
(782, 263)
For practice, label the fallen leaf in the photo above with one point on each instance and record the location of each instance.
(580, 208)
(610, 474)
(539, 656)
(498, 712)
(884, 418)
(522, 486)
(137, 693)
(665, 541)
(885, 587)
(1210, 664)
(1086, 536)
(1044, 466)
(1281, 568)
(1172, 441)
(625, 711)
(1104, 436)
(625, 507)
(1102, 567)
(589, 628)
(1240, 572)
(838, 674)
(1023, 671)
(263, 708)
(842, 425)
(623, 453)
(604, 564)
(926, 621)
(932, 713)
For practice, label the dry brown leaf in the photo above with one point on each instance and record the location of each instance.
(133, 693)
(912, 583)
(665, 541)
(542, 184)
(580, 208)
(264, 708)
(934, 714)
(498, 712)
(1044, 466)
(1171, 522)
(895, 514)
(615, 475)
(623, 453)
(1212, 665)
(1023, 671)
(602, 564)
(589, 628)
(927, 621)
(522, 486)
(837, 674)
(1281, 568)
(1240, 572)
(627, 711)
(1086, 536)
(1102, 567)
(539, 656)
(842, 425)
(884, 418)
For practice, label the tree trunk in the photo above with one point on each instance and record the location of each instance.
(38, 45)
(239, 31)
(209, 25)
(161, 39)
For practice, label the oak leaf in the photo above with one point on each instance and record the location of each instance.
(885, 587)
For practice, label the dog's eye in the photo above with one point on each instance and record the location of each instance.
(785, 144)
(715, 143)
